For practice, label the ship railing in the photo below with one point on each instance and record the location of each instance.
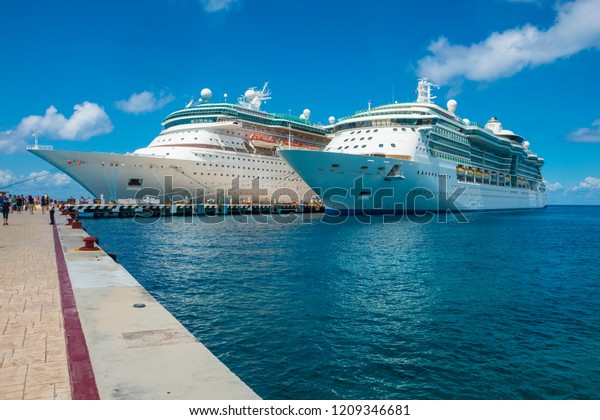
(39, 147)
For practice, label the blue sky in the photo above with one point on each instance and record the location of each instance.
(101, 76)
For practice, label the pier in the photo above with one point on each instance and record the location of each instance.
(204, 209)
(74, 324)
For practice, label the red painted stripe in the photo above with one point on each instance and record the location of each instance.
(83, 382)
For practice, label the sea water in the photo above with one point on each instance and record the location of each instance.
(504, 306)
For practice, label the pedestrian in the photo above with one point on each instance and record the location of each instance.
(44, 203)
(5, 210)
(30, 202)
(52, 207)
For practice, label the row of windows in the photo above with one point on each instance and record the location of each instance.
(270, 162)
(244, 168)
(450, 135)
(432, 174)
(450, 157)
(354, 138)
(380, 123)
(247, 176)
(381, 145)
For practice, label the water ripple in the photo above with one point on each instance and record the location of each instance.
(504, 307)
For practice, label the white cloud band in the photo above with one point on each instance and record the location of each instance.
(211, 6)
(586, 135)
(140, 103)
(88, 120)
(503, 54)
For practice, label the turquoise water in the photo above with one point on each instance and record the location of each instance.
(503, 307)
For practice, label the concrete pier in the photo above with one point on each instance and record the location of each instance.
(118, 337)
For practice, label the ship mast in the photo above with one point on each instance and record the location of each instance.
(424, 91)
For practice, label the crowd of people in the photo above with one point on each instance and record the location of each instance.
(10, 203)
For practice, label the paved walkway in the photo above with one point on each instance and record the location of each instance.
(137, 349)
(33, 360)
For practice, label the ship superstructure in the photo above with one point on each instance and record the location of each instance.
(208, 151)
(419, 156)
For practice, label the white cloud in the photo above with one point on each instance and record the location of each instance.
(88, 120)
(503, 54)
(557, 186)
(139, 103)
(6, 177)
(212, 6)
(34, 181)
(60, 179)
(586, 192)
(586, 135)
(590, 183)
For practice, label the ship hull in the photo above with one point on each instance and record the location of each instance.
(357, 184)
(207, 175)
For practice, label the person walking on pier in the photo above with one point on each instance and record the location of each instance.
(44, 203)
(5, 209)
(52, 208)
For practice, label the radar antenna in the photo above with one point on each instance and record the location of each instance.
(253, 98)
(424, 91)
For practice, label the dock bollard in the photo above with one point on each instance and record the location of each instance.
(76, 225)
(89, 244)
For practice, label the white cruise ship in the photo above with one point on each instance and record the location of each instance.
(412, 157)
(207, 151)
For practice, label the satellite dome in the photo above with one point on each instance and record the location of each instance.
(466, 121)
(451, 105)
(331, 120)
(526, 145)
(206, 94)
(250, 94)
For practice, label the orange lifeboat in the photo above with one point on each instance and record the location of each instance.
(264, 142)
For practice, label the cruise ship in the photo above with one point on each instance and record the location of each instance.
(207, 151)
(419, 156)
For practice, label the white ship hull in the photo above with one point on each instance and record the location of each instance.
(354, 184)
(200, 174)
